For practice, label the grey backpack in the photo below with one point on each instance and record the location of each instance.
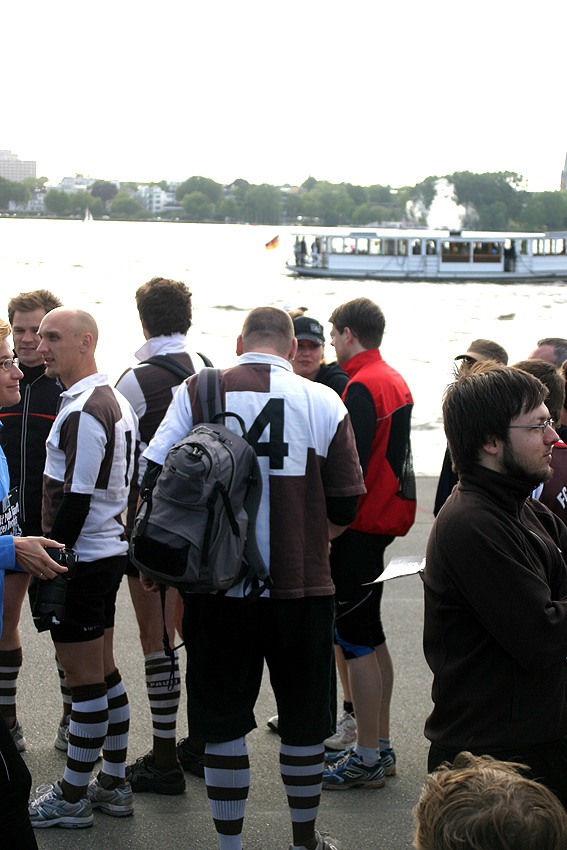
(195, 530)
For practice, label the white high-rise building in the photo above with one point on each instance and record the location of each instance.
(14, 169)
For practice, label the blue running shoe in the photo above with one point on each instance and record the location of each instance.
(52, 809)
(351, 772)
(335, 758)
(388, 759)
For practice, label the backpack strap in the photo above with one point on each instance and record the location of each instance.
(169, 363)
(208, 391)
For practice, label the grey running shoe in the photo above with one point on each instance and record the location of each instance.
(118, 802)
(17, 734)
(190, 761)
(388, 759)
(351, 772)
(273, 723)
(52, 809)
(323, 843)
(345, 734)
(144, 776)
(62, 737)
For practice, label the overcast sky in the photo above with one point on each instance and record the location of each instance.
(272, 93)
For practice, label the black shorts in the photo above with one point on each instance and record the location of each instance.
(227, 641)
(356, 558)
(131, 570)
(90, 604)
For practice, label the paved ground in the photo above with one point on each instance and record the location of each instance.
(378, 819)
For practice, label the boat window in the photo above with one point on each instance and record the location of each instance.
(362, 246)
(416, 246)
(548, 250)
(455, 252)
(431, 247)
(560, 246)
(376, 246)
(524, 246)
(402, 247)
(350, 245)
(537, 247)
(390, 247)
(337, 245)
(486, 252)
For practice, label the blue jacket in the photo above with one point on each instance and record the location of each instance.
(7, 552)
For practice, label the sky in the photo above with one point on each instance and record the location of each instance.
(368, 93)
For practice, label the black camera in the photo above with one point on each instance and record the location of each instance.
(47, 598)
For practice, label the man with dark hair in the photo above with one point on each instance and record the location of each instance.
(89, 466)
(23, 435)
(380, 404)
(165, 313)
(480, 803)
(495, 632)
(479, 351)
(552, 348)
(311, 479)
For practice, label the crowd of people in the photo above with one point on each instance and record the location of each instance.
(333, 442)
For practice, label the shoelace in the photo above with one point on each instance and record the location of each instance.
(43, 791)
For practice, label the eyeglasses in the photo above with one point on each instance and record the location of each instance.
(9, 362)
(549, 423)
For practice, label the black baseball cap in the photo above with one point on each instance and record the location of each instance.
(311, 329)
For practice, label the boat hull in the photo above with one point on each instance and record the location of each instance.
(461, 275)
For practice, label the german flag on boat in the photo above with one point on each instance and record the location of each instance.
(273, 243)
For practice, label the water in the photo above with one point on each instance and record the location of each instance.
(99, 266)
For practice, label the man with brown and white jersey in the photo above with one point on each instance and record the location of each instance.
(89, 465)
(311, 480)
(165, 311)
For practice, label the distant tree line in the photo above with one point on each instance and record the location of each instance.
(491, 201)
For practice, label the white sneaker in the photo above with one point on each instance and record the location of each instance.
(17, 734)
(62, 737)
(345, 734)
(52, 809)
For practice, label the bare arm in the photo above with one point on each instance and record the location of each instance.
(33, 559)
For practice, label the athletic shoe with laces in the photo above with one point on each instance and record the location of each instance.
(351, 772)
(273, 724)
(144, 776)
(52, 809)
(345, 734)
(323, 843)
(118, 802)
(62, 738)
(190, 761)
(387, 757)
(17, 734)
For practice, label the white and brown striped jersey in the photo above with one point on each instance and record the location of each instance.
(90, 450)
(302, 435)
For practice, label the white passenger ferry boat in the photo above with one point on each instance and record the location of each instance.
(403, 254)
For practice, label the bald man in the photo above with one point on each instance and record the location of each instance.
(88, 470)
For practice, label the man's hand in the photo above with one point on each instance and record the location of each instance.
(149, 584)
(33, 559)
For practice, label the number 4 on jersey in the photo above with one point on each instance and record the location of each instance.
(276, 449)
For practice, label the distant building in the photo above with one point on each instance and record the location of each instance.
(564, 175)
(14, 169)
(36, 204)
(154, 199)
(78, 183)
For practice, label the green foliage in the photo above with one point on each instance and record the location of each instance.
(330, 203)
(545, 211)
(57, 203)
(12, 191)
(80, 201)
(198, 206)
(208, 187)
(309, 184)
(493, 195)
(358, 193)
(262, 204)
(124, 206)
(104, 190)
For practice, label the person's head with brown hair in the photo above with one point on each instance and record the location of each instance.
(554, 380)
(479, 803)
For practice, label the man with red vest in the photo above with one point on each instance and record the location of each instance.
(380, 405)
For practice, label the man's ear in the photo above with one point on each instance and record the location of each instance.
(491, 446)
(293, 350)
(239, 346)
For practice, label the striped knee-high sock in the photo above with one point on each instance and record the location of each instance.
(116, 742)
(302, 773)
(65, 691)
(227, 776)
(87, 731)
(10, 663)
(164, 693)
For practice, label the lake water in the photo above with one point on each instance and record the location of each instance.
(99, 266)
